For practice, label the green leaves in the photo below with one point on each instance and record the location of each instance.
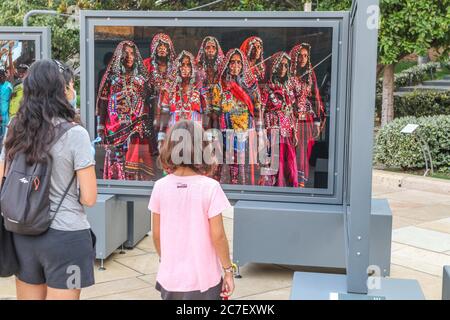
(406, 26)
(420, 103)
(396, 149)
(413, 75)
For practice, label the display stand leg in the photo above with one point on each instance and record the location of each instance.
(122, 251)
(102, 266)
(238, 273)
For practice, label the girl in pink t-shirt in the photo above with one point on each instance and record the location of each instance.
(188, 229)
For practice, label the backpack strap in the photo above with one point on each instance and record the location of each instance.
(60, 129)
(64, 195)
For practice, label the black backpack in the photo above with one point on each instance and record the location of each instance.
(25, 193)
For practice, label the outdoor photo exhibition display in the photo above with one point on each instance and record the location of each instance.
(287, 96)
(19, 48)
(23, 46)
(265, 90)
(14, 53)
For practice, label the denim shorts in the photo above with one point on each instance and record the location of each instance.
(59, 259)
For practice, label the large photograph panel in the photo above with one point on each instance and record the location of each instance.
(258, 90)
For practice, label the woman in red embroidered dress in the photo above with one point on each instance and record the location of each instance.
(278, 101)
(159, 66)
(309, 107)
(123, 116)
(209, 59)
(239, 99)
(180, 98)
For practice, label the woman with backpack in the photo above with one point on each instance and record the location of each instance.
(56, 256)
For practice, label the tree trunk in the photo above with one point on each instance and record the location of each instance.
(380, 68)
(387, 111)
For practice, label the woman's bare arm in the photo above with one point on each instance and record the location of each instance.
(88, 186)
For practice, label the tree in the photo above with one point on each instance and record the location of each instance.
(65, 40)
(406, 26)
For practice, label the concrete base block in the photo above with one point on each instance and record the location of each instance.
(325, 286)
(108, 221)
(139, 220)
(305, 234)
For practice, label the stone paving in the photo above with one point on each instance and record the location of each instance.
(420, 249)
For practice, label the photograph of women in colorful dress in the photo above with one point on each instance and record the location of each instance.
(260, 98)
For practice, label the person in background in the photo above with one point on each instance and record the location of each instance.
(188, 229)
(6, 90)
(17, 94)
(107, 58)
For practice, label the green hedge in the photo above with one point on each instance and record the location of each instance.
(419, 103)
(413, 76)
(396, 149)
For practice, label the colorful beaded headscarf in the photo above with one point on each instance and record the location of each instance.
(246, 76)
(175, 72)
(247, 47)
(295, 52)
(275, 64)
(158, 39)
(201, 55)
(116, 68)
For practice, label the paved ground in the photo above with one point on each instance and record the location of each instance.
(420, 248)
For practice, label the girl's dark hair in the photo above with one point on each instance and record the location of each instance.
(68, 76)
(66, 71)
(195, 160)
(32, 131)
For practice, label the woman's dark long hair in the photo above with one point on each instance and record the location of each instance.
(32, 131)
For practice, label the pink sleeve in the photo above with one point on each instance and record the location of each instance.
(219, 201)
(153, 205)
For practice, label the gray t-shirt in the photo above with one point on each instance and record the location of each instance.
(72, 152)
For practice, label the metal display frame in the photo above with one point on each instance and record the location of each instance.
(338, 21)
(40, 35)
(363, 50)
(347, 200)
